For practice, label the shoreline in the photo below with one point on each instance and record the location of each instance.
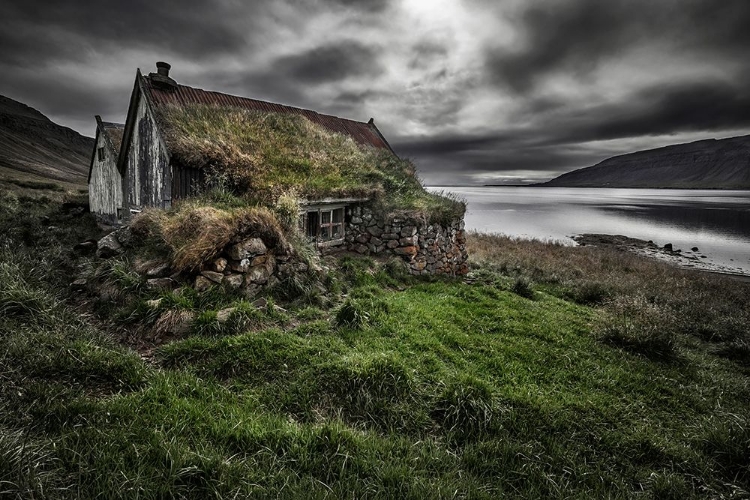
(684, 260)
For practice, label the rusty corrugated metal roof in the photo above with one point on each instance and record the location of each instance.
(183, 95)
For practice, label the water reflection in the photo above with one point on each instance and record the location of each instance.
(717, 222)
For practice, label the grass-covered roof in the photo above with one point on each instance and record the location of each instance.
(264, 155)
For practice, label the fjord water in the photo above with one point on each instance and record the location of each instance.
(717, 222)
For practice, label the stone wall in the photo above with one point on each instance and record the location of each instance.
(249, 265)
(426, 248)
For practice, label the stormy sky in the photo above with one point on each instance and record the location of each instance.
(474, 91)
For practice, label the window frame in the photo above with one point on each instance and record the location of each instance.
(100, 154)
(331, 232)
(328, 227)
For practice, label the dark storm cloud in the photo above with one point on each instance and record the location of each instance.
(578, 35)
(573, 34)
(709, 105)
(362, 5)
(44, 30)
(328, 63)
(436, 80)
(560, 139)
(664, 109)
(349, 103)
(449, 145)
(478, 159)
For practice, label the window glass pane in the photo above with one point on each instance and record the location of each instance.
(325, 233)
(338, 215)
(325, 217)
(336, 231)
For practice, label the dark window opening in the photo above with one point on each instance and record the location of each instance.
(100, 154)
(312, 224)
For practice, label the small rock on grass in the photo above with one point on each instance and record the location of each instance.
(261, 303)
(202, 283)
(108, 247)
(158, 270)
(154, 303)
(159, 283)
(223, 315)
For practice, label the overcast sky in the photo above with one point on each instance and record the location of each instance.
(474, 91)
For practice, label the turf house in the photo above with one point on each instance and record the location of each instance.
(351, 191)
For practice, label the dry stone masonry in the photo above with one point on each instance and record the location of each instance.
(249, 265)
(427, 248)
(252, 264)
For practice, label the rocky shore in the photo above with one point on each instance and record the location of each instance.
(691, 258)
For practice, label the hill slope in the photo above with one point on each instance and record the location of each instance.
(30, 143)
(711, 163)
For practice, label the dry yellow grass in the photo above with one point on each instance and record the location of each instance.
(655, 295)
(196, 234)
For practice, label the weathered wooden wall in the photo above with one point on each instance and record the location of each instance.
(185, 182)
(105, 184)
(149, 176)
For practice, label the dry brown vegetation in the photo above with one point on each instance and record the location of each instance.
(649, 303)
(195, 234)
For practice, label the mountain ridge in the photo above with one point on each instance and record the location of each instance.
(31, 143)
(703, 164)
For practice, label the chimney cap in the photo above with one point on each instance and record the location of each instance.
(161, 78)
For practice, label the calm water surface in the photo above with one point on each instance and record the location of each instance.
(717, 222)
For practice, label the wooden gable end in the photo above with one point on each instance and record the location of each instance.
(105, 182)
(144, 158)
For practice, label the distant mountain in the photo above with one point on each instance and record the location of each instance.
(708, 164)
(30, 143)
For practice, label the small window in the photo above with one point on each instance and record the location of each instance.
(100, 154)
(312, 224)
(323, 224)
(331, 224)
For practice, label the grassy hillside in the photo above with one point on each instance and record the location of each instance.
(550, 372)
(34, 149)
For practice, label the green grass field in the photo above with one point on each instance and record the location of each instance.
(550, 372)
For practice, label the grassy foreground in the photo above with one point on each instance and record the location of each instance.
(551, 372)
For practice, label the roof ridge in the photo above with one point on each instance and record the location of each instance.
(269, 102)
(181, 95)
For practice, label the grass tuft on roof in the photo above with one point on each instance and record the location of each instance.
(264, 155)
